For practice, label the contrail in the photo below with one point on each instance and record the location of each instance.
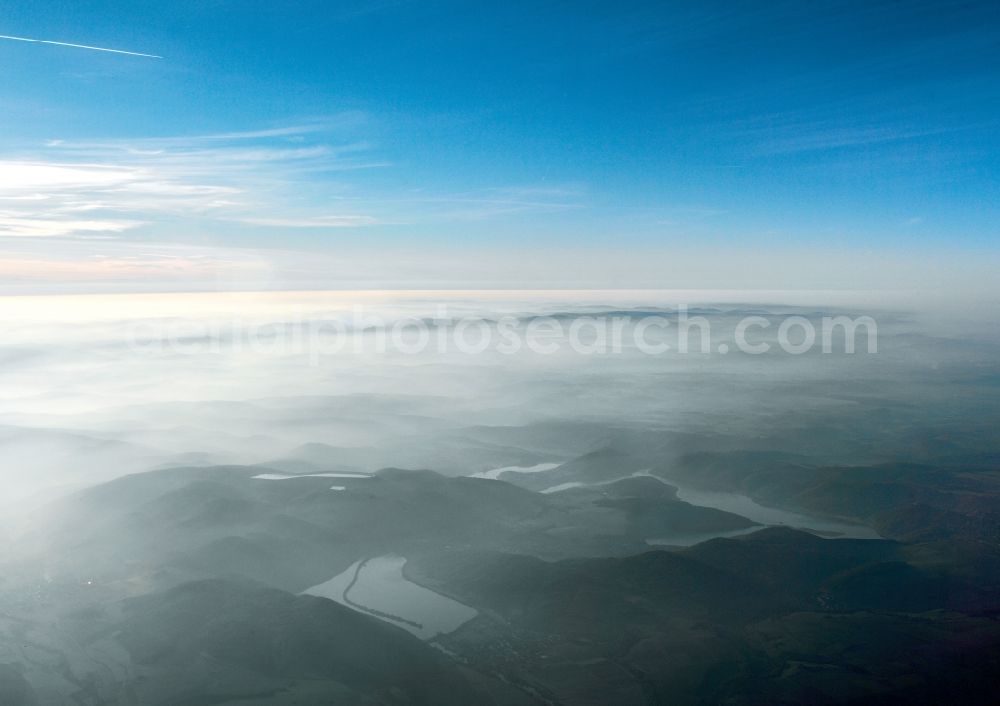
(79, 46)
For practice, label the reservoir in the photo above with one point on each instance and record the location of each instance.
(377, 587)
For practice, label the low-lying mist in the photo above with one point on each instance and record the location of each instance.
(364, 382)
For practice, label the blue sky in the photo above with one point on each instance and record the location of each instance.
(299, 132)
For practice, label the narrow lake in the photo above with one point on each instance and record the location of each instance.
(285, 476)
(494, 473)
(748, 508)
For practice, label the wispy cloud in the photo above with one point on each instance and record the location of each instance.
(271, 177)
(821, 138)
(15, 226)
(839, 128)
(295, 177)
(316, 222)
